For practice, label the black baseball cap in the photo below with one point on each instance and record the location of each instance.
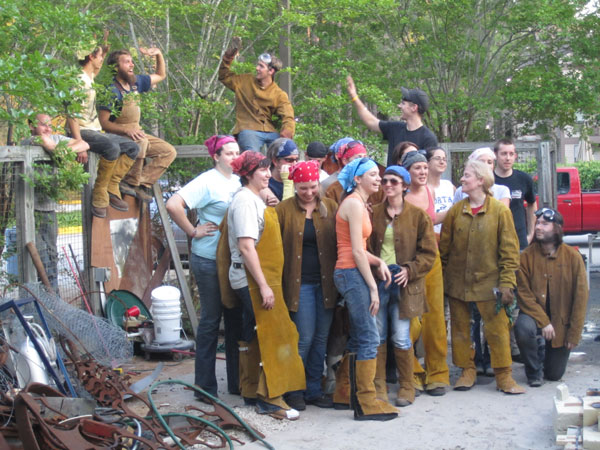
(416, 96)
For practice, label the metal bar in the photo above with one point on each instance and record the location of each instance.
(185, 290)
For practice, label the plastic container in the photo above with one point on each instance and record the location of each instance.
(166, 313)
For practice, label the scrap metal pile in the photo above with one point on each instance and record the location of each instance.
(100, 415)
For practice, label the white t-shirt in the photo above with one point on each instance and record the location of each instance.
(323, 176)
(245, 218)
(499, 191)
(443, 200)
(210, 194)
(89, 119)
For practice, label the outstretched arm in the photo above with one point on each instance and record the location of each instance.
(365, 115)
(161, 72)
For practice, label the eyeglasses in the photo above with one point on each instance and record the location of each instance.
(392, 181)
(547, 213)
(266, 58)
(440, 158)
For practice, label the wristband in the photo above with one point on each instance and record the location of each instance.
(354, 99)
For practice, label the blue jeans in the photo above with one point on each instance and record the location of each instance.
(254, 140)
(109, 145)
(207, 336)
(389, 312)
(364, 337)
(313, 322)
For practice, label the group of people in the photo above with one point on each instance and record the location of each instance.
(295, 259)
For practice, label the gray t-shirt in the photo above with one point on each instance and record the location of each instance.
(245, 218)
(42, 202)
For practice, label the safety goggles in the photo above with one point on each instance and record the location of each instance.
(548, 214)
(266, 58)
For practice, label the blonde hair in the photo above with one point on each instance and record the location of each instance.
(483, 172)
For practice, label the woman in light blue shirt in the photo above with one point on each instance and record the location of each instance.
(210, 194)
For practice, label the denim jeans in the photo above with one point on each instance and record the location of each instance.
(364, 337)
(389, 312)
(109, 145)
(254, 140)
(313, 322)
(538, 354)
(211, 309)
(248, 331)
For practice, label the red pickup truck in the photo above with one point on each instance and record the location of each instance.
(580, 208)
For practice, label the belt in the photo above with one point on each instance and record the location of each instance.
(237, 265)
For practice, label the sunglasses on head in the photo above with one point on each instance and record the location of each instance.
(392, 181)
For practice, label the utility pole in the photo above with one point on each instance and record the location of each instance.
(285, 53)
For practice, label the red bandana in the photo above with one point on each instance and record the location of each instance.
(246, 162)
(305, 171)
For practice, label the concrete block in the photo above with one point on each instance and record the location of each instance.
(573, 437)
(591, 438)
(590, 414)
(566, 414)
(562, 392)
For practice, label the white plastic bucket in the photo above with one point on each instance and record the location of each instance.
(166, 313)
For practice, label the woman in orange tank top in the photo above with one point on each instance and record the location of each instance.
(355, 282)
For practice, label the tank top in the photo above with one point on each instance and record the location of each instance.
(345, 259)
(431, 207)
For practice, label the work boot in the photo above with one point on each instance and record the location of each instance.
(100, 197)
(249, 369)
(418, 381)
(404, 364)
(341, 395)
(466, 380)
(363, 398)
(121, 168)
(506, 383)
(126, 189)
(380, 373)
(144, 193)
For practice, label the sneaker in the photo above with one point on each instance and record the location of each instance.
(323, 401)
(248, 401)
(117, 203)
(203, 398)
(436, 391)
(536, 382)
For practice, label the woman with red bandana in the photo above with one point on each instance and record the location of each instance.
(210, 194)
(269, 362)
(308, 230)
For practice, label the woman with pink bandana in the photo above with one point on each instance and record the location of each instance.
(210, 195)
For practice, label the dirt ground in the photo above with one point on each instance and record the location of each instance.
(481, 418)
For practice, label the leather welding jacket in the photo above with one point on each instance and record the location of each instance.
(415, 248)
(291, 220)
(559, 279)
(478, 252)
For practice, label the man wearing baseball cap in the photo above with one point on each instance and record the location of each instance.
(257, 99)
(413, 105)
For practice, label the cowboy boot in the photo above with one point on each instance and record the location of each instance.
(122, 166)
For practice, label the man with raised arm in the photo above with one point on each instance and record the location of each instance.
(413, 105)
(257, 99)
(117, 153)
(123, 118)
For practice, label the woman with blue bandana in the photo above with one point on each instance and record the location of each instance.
(355, 282)
(403, 237)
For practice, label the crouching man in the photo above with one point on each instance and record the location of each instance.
(553, 295)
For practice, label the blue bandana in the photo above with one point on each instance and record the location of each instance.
(355, 169)
(287, 148)
(335, 147)
(400, 171)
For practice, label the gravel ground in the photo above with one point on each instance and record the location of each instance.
(481, 418)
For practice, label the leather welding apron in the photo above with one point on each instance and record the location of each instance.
(277, 334)
(130, 115)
